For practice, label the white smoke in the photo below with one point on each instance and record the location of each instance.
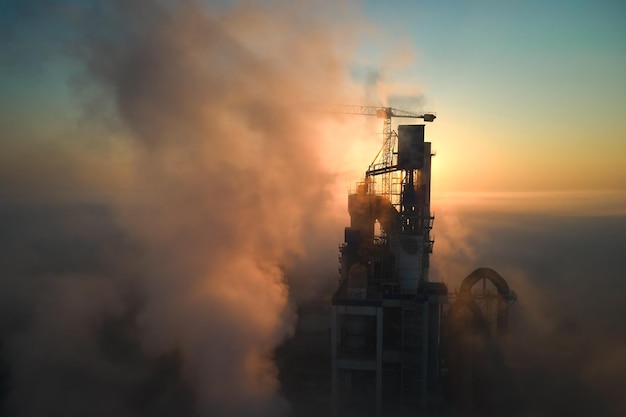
(211, 184)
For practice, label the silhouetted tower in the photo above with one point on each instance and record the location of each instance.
(386, 314)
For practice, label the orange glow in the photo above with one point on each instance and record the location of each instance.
(573, 203)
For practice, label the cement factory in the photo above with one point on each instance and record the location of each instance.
(401, 344)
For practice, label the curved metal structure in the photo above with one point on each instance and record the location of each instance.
(475, 323)
(468, 297)
(490, 275)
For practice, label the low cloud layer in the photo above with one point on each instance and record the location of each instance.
(565, 347)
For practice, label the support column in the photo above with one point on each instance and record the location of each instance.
(379, 362)
(334, 343)
(425, 364)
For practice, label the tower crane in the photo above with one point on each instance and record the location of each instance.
(385, 165)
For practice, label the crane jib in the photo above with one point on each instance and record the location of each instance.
(380, 112)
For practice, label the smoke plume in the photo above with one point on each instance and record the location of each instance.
(149, 246)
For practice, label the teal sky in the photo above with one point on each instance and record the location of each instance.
(530, 94)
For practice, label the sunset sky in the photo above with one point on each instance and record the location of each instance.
(165, 200)
(530, 95)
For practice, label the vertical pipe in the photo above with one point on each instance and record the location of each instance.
(425, 183)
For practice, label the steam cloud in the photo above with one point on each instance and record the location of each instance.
(147, 275)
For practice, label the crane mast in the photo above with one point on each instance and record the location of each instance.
(383, 164)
